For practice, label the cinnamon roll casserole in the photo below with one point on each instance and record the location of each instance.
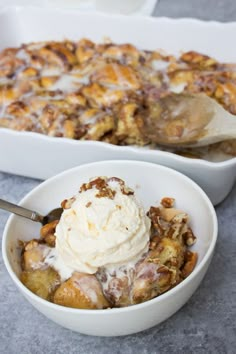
(106, 251)
(87, 91)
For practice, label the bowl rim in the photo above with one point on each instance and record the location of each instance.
(45, 303)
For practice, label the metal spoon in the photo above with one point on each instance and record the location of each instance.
(30, 214)
(189, 120)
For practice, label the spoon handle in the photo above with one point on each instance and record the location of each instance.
(15, 209)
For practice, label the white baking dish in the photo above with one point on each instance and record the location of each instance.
(39, 156)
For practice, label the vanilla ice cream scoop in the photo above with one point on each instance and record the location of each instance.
(104, 225)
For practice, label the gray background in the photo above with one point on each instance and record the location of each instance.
(206, 324)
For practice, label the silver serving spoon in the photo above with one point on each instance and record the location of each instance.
(189, 120)
(30, 214)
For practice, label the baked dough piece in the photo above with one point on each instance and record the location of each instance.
(9, 63)
(102, 97)
(117, 76)
(167, 262)
(124, 53)
(81, 291)
(95, 124)
(34, 255)
(41, 282)
(150, 281)
(54, 54)
(130, 125)
(85, 50)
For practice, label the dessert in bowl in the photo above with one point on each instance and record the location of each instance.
(151, 184)
(105, 251)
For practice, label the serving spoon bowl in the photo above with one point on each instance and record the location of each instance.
(189, 120)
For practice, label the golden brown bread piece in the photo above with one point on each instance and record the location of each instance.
(150, 281)
(99, 96)
(55, 54)
(166, 264)
(123, 53)
(17, 108)
(194, 58)
(9, 64)
(34, 255)
(118, 290)
(41, 282)
(82, 291)
(10, 92)
(118, 76)
(85, 50)
(160, 270)
(95, 124)
(28, 72)
(75, 98)
(129, 125)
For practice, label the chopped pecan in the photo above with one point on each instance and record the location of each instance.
(66, 204)
(47, 233)
(190, 260)
(167, 202)
(188, 237)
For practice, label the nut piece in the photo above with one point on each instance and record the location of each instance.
(167, 202)
(188, 237)
(190, 263)
(47, 233)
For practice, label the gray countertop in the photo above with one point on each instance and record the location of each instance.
(206, 324)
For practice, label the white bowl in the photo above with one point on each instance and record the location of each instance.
(151, 182)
